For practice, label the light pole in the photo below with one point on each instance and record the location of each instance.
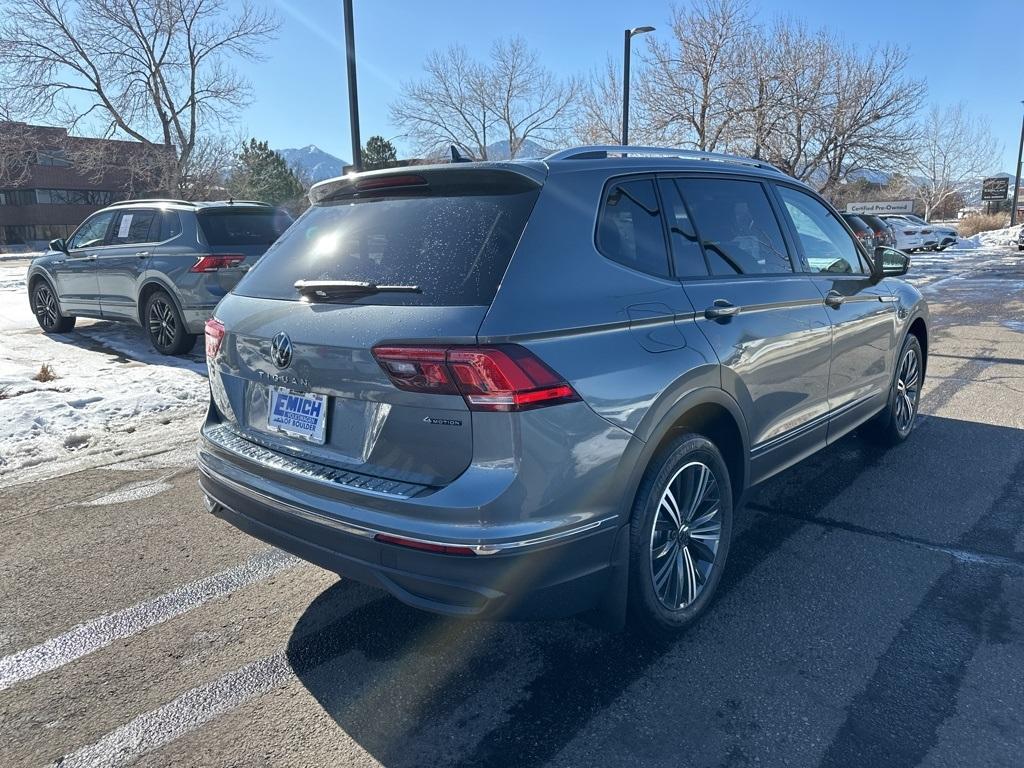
(1016, 181)
(625, 79)
(353, 94)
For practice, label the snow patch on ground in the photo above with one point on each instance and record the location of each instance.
(991, 239)
(114, 397)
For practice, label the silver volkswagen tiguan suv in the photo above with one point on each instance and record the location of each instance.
(536, 388)
(163, 264)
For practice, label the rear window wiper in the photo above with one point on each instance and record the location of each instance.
(325, 290)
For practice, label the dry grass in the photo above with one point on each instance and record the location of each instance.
(972, 225)
(46, 373)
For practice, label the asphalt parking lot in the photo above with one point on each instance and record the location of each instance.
(872, 614)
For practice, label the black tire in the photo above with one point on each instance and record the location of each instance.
(46, 308)
(892, 426)
(656, 607)
(165, 326)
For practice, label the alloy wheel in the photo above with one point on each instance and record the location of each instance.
(46, 307)
(163, 326)
(908, 382)
(685, 535)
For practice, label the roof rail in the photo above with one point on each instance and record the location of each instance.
(150, 200)
(232, 201)
(601, 151)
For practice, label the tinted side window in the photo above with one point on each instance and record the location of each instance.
(687, 255)
(827, 245)
(135, 227)
(629, 229)
(170, 225)
(740, 233)
(93, 232)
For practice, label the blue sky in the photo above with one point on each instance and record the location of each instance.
(300, 97)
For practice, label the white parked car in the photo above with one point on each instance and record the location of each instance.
(942, 235)
(908, 234)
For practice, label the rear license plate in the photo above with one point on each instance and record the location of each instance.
(299, 414)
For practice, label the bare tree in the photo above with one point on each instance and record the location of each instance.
(17, 150)
(693, 90)
(448, 106)
(822, 110)
(598, 114)
(953, 150)
(157, 71)
(529, 102)
(459, 100)
(870, 116)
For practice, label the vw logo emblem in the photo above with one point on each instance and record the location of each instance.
(281, 350)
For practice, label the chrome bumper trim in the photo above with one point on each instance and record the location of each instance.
(369, 533)
(227, 439)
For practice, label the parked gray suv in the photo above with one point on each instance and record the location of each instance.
(163, 264)
(538, 388)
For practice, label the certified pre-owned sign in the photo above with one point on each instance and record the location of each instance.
(995, 188)
(885, 206)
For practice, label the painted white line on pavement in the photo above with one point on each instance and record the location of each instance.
(194, 708)
(101, 632)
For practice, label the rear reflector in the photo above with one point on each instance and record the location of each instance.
(212, 263)
(505, 377)
(444, 549)
(214, 337)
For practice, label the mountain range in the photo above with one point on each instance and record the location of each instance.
(312, 163)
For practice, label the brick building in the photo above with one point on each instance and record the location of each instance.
(50, 181)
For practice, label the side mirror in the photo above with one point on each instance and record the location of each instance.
(58, 245)
(889, 262)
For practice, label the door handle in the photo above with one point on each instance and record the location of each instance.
(93, 256)
(887, 299)
(721, 309)
(834, 299)
(143, 254)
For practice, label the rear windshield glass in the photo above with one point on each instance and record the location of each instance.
(244, 226)
(454, 248)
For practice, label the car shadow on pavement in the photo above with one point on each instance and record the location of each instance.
(127, 343)
(415, 689)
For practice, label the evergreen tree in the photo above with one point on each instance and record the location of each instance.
(379, 153)
(260, 173)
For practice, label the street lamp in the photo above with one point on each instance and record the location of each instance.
(353, 95)
(625, 79)
(1016, 185)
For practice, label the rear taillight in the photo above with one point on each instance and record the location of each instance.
(214, 337)
(504, 377)
(211, 263)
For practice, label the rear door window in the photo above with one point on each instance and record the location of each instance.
(137, 226)
(737, 226)
(629, 228)
(242, 226)
(453, 247)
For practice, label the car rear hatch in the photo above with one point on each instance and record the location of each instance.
(234, 237)
(408, 258)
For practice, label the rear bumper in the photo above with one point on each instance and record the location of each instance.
(561, 574)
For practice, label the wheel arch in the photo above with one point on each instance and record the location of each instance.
(710, 412)
(147, 289)
(919, 328)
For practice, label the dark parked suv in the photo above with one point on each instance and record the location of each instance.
(163, 264)
(535, 388)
